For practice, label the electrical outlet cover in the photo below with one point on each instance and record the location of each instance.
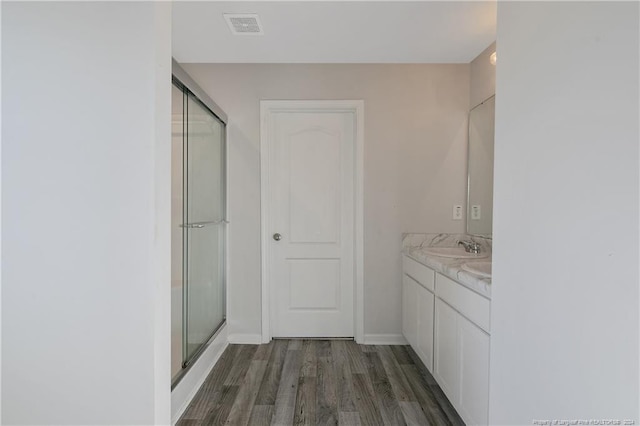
(457, 212)
(476, 212)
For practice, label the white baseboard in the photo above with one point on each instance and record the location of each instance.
(245, 339)
(384, 339)
(184, 392)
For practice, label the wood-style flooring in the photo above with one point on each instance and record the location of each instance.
(319, 382)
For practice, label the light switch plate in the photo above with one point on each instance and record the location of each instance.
(476, 213)
(457, 213)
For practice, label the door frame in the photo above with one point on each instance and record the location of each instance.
(267, 107)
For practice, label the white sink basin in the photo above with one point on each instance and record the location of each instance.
(456, 252)
(479, 268)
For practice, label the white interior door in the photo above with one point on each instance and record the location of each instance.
(311, 221)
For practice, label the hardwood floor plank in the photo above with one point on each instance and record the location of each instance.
(431, 381)
(355, 357)
(432, 409)
(326, 402)
(318, 382)
(401, 354)
(240, 365)
(270, 382)
(434, 391)
(206, 396)
(264, 351)
(350, 418)
(295, 344)
(305, 412)
(413, 414)
(385, 398)
(287, 391)
(343, 378)
(452, 415)
(241, 409)
(368, 348)
(399, 384)
(365, 401)
(323, 348)
(188, 422)
(261, 415)
(309, 359)
(218, 414)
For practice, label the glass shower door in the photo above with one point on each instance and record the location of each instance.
(177, 231)
(204, 226)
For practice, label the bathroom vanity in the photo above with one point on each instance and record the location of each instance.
(446, 289)
(446, 319)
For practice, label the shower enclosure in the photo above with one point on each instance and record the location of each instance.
(198, 224)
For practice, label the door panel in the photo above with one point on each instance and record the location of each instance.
(203, 225)
(474, 372)
(314, 179)
(409, 311)
(312, 207)
(446, 354)
(425, 327)
(204, 285)
(321, 278)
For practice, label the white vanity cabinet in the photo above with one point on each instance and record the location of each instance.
(418, 299)
(461, 340)
(448, 326)
(410, 309)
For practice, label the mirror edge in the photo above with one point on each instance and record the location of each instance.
(468, 209)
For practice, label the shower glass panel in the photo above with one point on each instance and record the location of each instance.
(198, 223)
(204, 226)
(177, 208)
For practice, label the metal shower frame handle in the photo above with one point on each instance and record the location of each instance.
(203, 224)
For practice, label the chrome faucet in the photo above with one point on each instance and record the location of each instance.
(470, 246)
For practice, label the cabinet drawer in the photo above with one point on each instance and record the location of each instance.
(423, 275)
(473, 306)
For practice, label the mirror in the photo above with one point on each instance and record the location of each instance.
(480, 169)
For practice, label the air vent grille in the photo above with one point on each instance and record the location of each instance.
(244, 23)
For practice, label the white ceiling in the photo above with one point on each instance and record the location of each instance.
(336, 31)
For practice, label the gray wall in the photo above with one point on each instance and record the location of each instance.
(564, 323)
(415, 165)
(85, 213)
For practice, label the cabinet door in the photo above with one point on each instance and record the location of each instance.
(424, 346)
(473, 353)
(409, 310)
(446, 351)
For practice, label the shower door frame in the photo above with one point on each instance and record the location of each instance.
(183, 81)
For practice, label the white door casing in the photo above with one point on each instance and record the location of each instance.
(311, 158)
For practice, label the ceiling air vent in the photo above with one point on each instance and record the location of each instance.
(244, 23)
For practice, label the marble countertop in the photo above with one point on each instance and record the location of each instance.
(452, 268)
